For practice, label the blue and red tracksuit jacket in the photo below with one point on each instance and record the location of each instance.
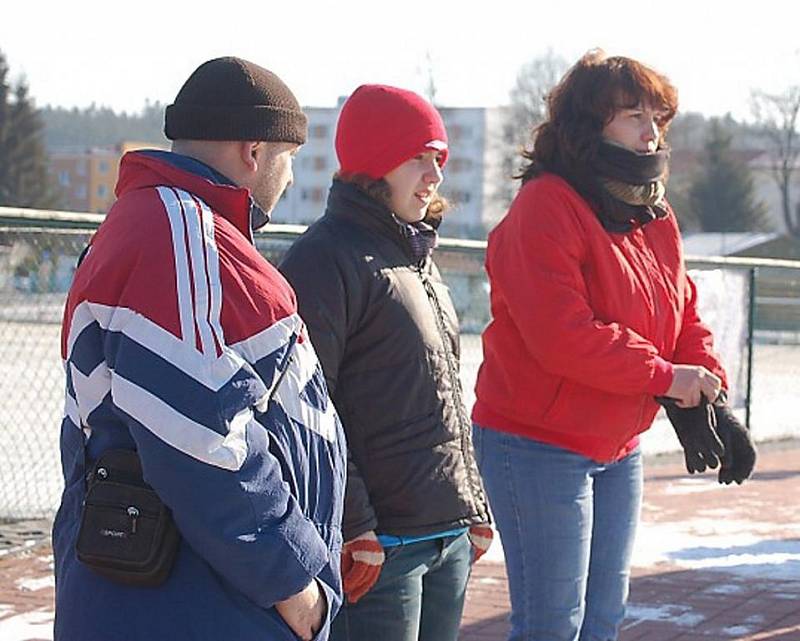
(175, 331)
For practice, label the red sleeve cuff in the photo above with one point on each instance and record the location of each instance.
(662, 377)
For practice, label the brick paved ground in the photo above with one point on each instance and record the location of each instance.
(712, 563)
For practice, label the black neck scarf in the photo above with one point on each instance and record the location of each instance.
(630, 186)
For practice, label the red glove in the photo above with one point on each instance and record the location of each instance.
(362, 559)
(481, 538)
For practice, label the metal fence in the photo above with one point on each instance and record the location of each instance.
(38, 252)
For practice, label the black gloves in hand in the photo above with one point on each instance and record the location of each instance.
(695, 427)
(740, 452)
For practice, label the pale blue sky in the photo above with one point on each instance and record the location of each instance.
(119, 53)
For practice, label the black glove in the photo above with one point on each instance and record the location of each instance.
(740, 451)
(695, 427)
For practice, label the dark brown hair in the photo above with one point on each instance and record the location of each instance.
(582, 104)
(380, 190)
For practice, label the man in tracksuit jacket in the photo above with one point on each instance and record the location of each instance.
(180, 341)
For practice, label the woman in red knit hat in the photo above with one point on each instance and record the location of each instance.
(593, 316)
(386, 334)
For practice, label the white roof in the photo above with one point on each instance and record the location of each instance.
(723, 244)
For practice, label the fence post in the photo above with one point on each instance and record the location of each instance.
(750, 325)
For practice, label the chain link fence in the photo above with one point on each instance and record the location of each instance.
(36, 267)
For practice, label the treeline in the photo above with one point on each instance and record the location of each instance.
(95, 126)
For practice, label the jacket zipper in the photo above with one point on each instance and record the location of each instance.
(645, 248)
(455, 381)
(647, 254)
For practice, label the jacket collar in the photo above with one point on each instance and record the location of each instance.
(155, 168)
(347, 201)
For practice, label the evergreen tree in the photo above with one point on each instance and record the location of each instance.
(24, 179)
(722, 193)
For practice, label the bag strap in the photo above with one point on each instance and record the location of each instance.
(283, 367)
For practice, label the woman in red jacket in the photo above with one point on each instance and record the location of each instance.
(593, 315)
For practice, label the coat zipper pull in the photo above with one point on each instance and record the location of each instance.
(133, 512)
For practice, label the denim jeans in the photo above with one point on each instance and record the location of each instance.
(419, 595)
(567, 524)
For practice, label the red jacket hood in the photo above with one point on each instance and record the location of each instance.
(140, 170)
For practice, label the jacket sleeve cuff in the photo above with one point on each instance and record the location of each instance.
(662, 377)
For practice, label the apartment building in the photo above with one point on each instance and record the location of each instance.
(87, 177)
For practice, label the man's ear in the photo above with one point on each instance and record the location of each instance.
(248, 154)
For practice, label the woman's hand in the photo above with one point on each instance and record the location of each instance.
(689, 382)
(362, 560)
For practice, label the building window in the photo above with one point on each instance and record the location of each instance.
(314, 163)
(80, 191)
(460, 197)
(457, 165)
(103, 167)
(102, 191)
(80, 168)
(63, 178)
(320, 132)
(314, 194)
(458, 132)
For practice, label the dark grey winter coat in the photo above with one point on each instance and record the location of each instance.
(386, 334)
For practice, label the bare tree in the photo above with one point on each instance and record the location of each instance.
(527, 109)
(430, 86)
(777, 116)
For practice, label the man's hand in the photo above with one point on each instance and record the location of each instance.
(695, 427)
(305, 611)
(480, 536)
(362, 559)
(690, 383)
(740, 452)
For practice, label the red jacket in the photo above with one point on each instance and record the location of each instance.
(586, 324)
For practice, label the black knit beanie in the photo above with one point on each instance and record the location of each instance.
(233, 99)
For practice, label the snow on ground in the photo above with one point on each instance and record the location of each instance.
(678, 614)
(735, 547)
(33, 585)
(30, 625)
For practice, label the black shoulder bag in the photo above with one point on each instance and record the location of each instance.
(127, 534)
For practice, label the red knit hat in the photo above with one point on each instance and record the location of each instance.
(380, 127)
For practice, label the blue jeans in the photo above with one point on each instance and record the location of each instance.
(567, 524)
(419, 595)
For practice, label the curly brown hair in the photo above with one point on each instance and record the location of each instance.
(381, 191)
(583, 103)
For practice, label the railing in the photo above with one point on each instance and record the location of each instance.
(754, 306)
